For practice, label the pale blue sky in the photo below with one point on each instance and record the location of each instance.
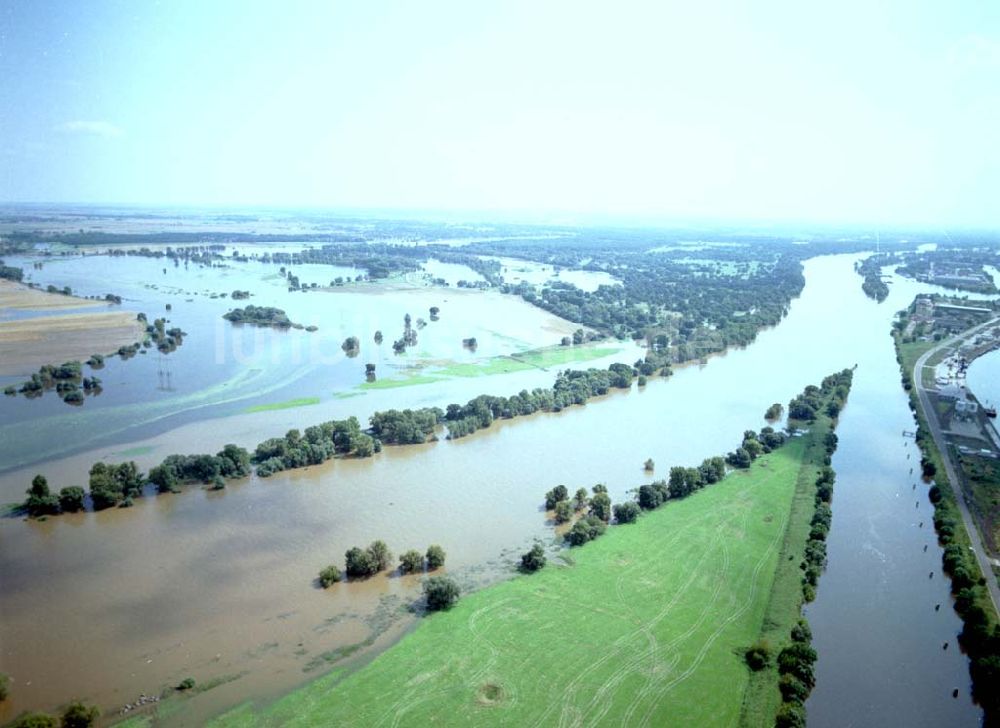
(872, 112)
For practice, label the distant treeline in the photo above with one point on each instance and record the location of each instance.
(11, 273)
(960, 269)
(687, 302)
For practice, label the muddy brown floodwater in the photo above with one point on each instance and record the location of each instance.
(220, 586)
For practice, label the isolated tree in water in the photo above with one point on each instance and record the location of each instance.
(380, 555)
(40, 501)
(435, 557)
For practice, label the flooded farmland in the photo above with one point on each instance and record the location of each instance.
(221, 584)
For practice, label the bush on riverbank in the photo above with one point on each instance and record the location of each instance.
(441, 593)
(534, 559)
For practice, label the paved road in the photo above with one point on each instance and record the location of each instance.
(930, 415)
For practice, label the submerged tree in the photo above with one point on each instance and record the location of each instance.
(411, 562)
(435, 557)
(40, 501)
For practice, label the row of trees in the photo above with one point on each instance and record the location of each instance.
(405, 427)
(10, 273)
(361, 563)
(830, 395)
(796, 667)
(685, 480)
(42, 502)
(177, 470)
(796, 660)
(315, 445)
(980, 635)
(67, 379)
(112, 484)
(118, 484)
(571, 387)
(597, 510)
(74, 715)
(440, 592)
(814, 561)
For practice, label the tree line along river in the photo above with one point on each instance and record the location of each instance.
(105, 606)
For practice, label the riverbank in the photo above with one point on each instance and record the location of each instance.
(974, 587)
(146, 622)
(611, 632)
(762, 698)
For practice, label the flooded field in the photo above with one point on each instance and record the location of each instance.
(225, 370)
(220, 585)
(515, 270)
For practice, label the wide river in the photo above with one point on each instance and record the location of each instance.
(219, 586)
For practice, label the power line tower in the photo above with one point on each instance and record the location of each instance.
(164, 374)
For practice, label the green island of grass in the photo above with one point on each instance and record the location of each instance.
(135, 451)
(287, 404)
(555, 356)
(647, 625)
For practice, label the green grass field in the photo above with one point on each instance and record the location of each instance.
(135, 451)
(647, 627)
(555, 356)
(287, 404)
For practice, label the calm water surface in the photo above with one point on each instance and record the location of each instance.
(880, 640)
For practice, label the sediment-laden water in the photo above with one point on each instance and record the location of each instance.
(219, 585)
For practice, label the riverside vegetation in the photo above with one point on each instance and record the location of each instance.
(871, 270)
(266, 316)
(67, 379)
(663, 643)
(119, 484)
(980, 635)
(686, 304)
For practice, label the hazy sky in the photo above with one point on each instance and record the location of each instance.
(846, 111)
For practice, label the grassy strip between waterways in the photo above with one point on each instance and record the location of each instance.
(762, 698)
(287, 404)
(646, 625)
(555, 356)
